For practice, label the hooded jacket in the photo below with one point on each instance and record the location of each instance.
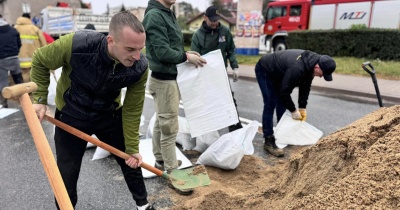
(9, 40)
(289, 69)
(205, 40)
(164, 41)
(31, 39)
(91, 81)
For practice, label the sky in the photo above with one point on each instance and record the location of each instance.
(100, 6)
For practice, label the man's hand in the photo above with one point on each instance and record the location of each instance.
(134, 161)
(296, 115)
(40, 110)
(193, 52)
(194, 58)
(235, 74)
(303, 114)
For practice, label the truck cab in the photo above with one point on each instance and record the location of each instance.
(58, 21)
(281, 17)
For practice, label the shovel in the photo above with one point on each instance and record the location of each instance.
(372, 73)
(182, 179)
(46, 156)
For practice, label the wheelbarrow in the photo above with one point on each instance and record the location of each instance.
(367, 66)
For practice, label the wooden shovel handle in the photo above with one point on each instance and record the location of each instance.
(101, 144)
(18, 90)
(45, 153)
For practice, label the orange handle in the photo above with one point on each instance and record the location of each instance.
(45, 154)
(19, 90)
(101, 144)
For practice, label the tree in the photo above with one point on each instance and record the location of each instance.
(220, 8)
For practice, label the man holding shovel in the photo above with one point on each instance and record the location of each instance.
(277, 75)
(88, 96)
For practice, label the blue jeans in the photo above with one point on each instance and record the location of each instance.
(271, 101)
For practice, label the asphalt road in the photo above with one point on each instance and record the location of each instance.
(24, 185)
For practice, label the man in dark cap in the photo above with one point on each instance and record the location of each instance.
(277, 75)
(212, 35)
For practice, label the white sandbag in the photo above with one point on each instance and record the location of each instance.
(227, 152)
(90, 145)
(149, 133)
(294, 132)
(206, 95)
(54, 77)
(100, 153)
(186, 141)
(205, 140)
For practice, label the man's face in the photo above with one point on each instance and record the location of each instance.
(167, 3)
(127, 46)
(211, 24)
(317, 71)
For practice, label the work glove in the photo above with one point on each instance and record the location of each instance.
(296, 115)
(303, 114)
(235, 74)
(195, 59)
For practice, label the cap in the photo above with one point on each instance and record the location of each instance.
(90, 26)
(212, 13)
(328, 66)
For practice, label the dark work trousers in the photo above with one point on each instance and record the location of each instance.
(239, 124)
(70, 150)
(271, 101)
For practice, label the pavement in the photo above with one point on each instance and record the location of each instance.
(346, 86)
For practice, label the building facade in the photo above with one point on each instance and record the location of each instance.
(12, 9)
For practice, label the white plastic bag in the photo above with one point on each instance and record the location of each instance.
(228, 151)
(100, 152)
(294, 132)
(54, 77)
(205, 140)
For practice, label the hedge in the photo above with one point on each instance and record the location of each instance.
(361, 43)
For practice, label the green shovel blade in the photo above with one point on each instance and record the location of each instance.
(190, 177)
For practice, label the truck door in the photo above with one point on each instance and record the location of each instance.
(274, 18)
(293, 20)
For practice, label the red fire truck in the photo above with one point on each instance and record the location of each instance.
(283, 16)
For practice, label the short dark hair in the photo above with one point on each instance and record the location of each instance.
(27, 15)
(123, 19)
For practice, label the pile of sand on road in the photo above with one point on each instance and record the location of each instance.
(356, 167)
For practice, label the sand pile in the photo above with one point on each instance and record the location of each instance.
(357, 167)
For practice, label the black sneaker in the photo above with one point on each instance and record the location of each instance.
(159, 164)
(149, 207)
(271, 148)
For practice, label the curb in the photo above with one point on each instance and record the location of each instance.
(341, 93)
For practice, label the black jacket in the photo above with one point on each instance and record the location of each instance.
(289, 69)
(9, 41)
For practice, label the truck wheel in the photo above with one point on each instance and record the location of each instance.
(279, 45)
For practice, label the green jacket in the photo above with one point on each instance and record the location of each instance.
(205, 40)
(89, 99)
(164, 39)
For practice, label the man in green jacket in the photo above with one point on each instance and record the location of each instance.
(164, 49)
(88, 97)
(212, 35)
